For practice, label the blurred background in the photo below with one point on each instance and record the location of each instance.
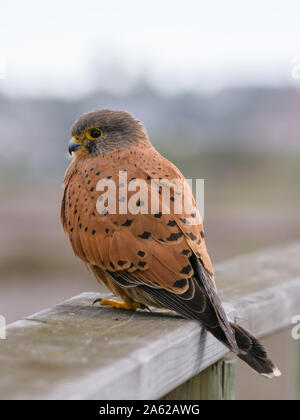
(217, 86)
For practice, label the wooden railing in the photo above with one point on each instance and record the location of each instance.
(79, 351)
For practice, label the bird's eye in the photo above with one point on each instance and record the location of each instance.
(94, 134)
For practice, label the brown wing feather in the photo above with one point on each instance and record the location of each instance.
(153, 252)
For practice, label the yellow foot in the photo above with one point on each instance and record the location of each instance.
(132, 306)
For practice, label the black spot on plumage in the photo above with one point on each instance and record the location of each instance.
(80, 225)
(185, 221)
(192, 236)
(109, 177)
(140, 203)
(132, 179)
(98, 173)
(128, 222)
(145, 235)
(172, 198)
(71, 230)
(89, 182)
(180, 283)
(141, 254)
(86, 229)
(93, 232)
(121, 262)
(92, 189)
(91, 169)
(106, 230)
(186, 252)
(202, 234)
(158, 215)
(174, 236)
(187, 269)
(171, 223)
(142, 264)
(111, 264)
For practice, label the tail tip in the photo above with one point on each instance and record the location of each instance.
(276, 373)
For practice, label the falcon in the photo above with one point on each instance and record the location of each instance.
(146, 258)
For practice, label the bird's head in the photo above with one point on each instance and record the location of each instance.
(103, 131)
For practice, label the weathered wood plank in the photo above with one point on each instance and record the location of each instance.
(217, 382)
(76, 350)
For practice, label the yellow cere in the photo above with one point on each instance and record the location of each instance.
(75, 139)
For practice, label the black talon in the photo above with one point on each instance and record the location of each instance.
(143, 306)
(97, 300)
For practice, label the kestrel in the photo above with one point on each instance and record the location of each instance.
(146, 258)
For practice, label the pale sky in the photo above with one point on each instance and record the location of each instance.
(61, 47)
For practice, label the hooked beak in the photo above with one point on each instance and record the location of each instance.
(73, 145)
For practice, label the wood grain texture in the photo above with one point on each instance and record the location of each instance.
(79, 351)
(216, 383)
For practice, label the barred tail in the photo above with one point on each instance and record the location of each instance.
(253, 353)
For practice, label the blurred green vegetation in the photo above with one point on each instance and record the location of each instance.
(251, 201)
(235, 177)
